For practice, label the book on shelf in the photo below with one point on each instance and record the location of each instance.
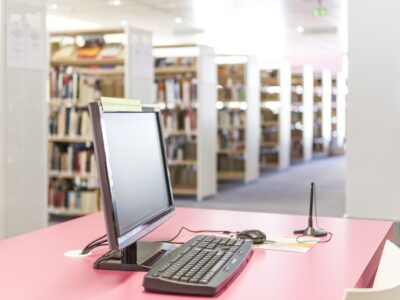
(231, 140)
(231, 164)
(87, 52)
(61, 198)
(231, 82)
(176, 93)
(183, 176)
(269, 156)
(72, 84)
(270, 88)
(179, 120)
(164, 62)
(64, 53)
(110, 51)
(231, 118)
(176, 90)
(181, 148)
(74, 158)
(70, 121)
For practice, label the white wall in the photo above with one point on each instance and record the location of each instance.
(373, 110)
(23, 127)
(2, 124)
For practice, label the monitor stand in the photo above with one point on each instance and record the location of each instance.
(139, 256)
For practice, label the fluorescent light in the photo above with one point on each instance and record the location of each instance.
(178, 20)
(53, 6)
(219, 105)
(243, 105)
(114, 2)
(230, 59)
(162, 105)
(80, 41)
(300, 29)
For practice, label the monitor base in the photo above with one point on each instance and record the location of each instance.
(139, 256)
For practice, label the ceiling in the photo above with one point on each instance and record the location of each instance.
(266, 28)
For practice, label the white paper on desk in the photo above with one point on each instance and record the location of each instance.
(288, 243)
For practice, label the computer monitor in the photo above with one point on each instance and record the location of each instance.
(134, 183)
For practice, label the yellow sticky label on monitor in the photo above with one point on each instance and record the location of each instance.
(118, 104)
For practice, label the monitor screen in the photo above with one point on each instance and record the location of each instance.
(136, 170)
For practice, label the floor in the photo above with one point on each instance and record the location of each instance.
(285, 191)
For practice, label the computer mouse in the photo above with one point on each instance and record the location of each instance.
(257, 236)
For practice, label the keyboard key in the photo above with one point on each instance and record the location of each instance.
(209, 238)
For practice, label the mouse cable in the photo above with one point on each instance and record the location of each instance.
(198, 231)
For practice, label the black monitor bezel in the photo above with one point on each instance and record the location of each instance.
(115, 239)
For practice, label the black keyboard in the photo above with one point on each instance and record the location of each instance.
(202, 266)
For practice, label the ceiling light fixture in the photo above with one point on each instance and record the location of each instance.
(300, 29)
(178, 20)
(115, 2)
(53, 6)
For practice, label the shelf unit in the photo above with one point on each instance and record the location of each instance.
(333, 110)
(238, 118)
(326, 110)
(318, 142)
(322, 113)
(79, 75)
(186, 87)
(275, 117)
(302, 115)
(341, 94)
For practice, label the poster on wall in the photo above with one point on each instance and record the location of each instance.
(25, 36)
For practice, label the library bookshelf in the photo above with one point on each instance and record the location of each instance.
(333, 109)
(85, 65)
(322, 113)
(339, 94)
(238, 118)
(275, 117)
(186, 88)
(302, 115)
(318, 141)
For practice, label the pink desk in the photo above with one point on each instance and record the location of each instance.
(32, 266)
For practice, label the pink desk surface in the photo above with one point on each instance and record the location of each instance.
(33, 266)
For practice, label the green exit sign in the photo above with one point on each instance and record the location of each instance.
(320, 12)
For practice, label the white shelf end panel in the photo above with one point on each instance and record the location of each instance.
(308, 112)
(253, 131)
(285, 115)
(206, 123)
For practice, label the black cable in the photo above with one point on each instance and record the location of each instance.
(94, 244)
(330, 234)
(315, 208)
(198, 231)
(87, 250)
